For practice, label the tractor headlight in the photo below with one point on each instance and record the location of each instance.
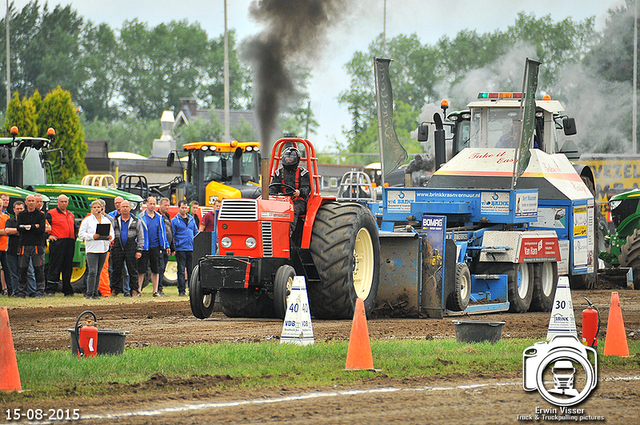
(614, 204)
(133, 205)
(251, 242)
(226, 242)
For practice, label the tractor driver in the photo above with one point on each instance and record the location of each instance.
(511, 136)
(294, 181)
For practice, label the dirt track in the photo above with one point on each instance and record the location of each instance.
(169, 322)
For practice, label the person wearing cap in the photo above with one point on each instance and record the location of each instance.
(293, 181)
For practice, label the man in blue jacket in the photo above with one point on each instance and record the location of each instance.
(184, 230)
(155, 240)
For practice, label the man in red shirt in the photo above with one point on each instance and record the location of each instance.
(62, 240)
(209, 223)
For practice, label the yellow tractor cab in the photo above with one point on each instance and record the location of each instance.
(217, 170)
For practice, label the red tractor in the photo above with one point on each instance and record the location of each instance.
(337, 251)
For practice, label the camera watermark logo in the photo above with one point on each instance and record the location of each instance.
(562, 371)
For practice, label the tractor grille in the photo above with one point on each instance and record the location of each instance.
(267, 239)
(78, 203)
(239, 209)
(624, 210)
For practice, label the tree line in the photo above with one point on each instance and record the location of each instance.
(34, 116)
(590, 72)
(138, 70)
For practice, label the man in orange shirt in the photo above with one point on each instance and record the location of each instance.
(3, 245)
(62, 239)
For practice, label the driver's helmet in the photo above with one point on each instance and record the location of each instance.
(290, 158)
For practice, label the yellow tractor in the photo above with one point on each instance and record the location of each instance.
(217, 170)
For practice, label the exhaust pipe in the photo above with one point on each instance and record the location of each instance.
(265, 178)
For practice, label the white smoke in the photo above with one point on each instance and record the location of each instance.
(504, 74)
(602, 110)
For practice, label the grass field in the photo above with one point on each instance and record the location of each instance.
(56, 374)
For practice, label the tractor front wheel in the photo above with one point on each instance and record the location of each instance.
(201, 302)
(346, 252)
(282, 285)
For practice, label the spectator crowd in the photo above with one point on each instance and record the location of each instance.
(120, 247)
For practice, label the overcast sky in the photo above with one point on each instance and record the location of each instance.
(429, 19)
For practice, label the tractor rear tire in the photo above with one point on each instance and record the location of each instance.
(201, 302)
(346, 252)
(630, 256)
(243, 303)
(545, 281)
(282, 284)
(459, 299)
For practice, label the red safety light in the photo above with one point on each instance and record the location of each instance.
(444, 104)
(546, 97)
(14, 130)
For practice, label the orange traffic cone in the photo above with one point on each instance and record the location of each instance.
(359, 354)
(9, 375)
(615, 343)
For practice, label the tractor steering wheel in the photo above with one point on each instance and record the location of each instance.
(286, 186)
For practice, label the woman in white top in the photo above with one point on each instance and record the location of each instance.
(96, 248)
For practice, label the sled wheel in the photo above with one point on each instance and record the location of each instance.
(545, 281)
(459, 299)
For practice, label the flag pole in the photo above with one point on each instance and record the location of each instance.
(379, 113)
(520, 118)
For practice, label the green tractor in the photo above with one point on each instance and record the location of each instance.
(623, 245)
(24, 162)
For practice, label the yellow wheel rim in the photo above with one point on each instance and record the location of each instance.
(288, 293)
(171, 271)
(363, 264)
(77, 273)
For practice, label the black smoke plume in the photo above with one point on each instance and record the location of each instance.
(295, 30)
